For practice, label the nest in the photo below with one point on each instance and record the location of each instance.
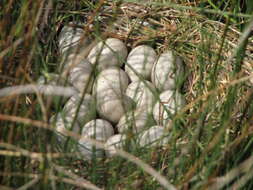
(190, 34)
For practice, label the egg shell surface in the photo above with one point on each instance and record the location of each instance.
(111, 52)
(142, 92)
(113, 79)
(141, 60)
(135, 121)
(81, 76)
(114, 142)
(172, 101)
(167, 71)
(112, 107)
(69, 37)
(99, 130)
(154, 137)
(87, 110)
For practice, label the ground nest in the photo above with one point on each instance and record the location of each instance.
(206, 46)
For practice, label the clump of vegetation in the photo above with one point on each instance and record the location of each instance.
(211, 137)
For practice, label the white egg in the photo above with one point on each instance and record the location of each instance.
(167, 72)
(172, 101)
(154, 136)
(113, 143)
(135, 121)
(111, 52)
(114, 79)
(69, 37)
(142, 92)
(82, 76)
(63, 125)
(99, 130)
(141, 59)
(112, 107)
(87, 110)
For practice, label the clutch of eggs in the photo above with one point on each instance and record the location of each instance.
(87, 110)
(153, 137)
(167, 71)
(111, 52)
(171, 102)
(99, 130)
(115, 99)
(140, 62)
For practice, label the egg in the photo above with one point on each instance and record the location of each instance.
(114, 142)
(63, 125)
(172, 101)
(82, 76)
(143, 94)
(154, 137)
(140, 62)
(111, 52)
(99, 130)
(167, 72)
(113, 79)
(135, 121)
(112, 107)
(86, 112)
(69, 37)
